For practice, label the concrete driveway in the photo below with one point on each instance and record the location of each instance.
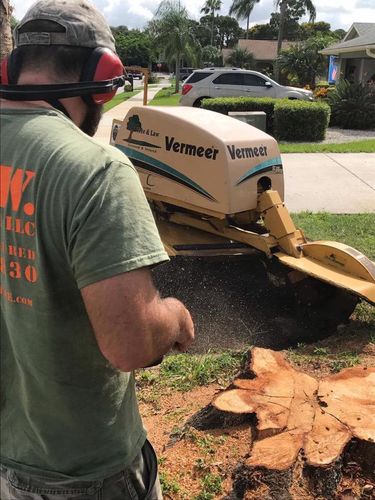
(330, 182)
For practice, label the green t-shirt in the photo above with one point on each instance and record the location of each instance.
(73, 212)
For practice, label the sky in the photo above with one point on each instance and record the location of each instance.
(136, 13)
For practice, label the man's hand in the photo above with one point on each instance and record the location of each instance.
(132, 324)
(186, 336)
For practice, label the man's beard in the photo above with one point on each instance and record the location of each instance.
(92, 118)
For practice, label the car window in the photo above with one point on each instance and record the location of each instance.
(254, 80)
(229, 79)
(197, 77)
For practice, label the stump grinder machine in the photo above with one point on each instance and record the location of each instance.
(216, 187)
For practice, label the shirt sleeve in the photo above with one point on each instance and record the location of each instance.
(113, 230)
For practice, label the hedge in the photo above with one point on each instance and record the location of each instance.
(301, 120)
(225, 104)
(286, 119)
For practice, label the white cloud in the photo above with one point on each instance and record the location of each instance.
(141, 10)
(20, 7)
(136, 13)
(365, 3)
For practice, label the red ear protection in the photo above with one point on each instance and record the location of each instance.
(103, 71)
(103, 64)
(4, 72)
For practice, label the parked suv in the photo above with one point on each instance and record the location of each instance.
(185, 72)
(136, 74)
(234, 82)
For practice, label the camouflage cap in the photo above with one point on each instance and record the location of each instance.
(80, 24)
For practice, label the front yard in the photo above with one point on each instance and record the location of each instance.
(348, 144)
(166, 97)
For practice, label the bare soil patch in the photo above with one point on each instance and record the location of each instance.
(234, 304)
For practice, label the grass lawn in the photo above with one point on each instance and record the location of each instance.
(357, 230)
(165, 97)
(183, 373)
(119, 99)
(365, 146)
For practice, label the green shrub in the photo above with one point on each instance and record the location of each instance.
(153, 79)
(352, 105)
(301, 120)
(225, 104)
(288, 120)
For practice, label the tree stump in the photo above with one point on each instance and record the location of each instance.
(303, 420)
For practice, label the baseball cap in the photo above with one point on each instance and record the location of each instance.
(79, 24)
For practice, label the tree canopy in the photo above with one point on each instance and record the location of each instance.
(242, 9)
(173, 34)
(134, 47)
(210, 7)
(211, 56)
(294, 10)
(226, 31)
(303, 62)
(241, 58)
(175, 38)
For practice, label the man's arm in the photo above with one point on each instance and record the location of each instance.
(133, 326)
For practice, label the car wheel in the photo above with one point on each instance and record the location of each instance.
(198, 102)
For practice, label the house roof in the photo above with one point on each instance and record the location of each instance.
(361, 36)
(263, 50)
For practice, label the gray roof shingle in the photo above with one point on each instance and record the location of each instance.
(365, 36)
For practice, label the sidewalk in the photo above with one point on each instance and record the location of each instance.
(330, 182)
(316, 182)
(104, 130)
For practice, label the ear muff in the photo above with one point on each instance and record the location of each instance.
(4, 72)
(103, 64)
(8, 68)
(102, 75)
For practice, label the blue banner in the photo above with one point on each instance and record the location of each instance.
(333, 69)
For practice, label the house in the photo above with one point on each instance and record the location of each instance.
(355, 54)
(264, 52)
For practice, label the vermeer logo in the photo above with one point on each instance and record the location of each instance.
(190, 149)
(241, 153)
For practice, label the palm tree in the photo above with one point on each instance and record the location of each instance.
(211, 6)
(305, 5)
(173, 34)
(241, 58)
(6, 44)
(211, 56)
(242, 10)
(304, 60)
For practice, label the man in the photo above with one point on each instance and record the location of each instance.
(79, 311)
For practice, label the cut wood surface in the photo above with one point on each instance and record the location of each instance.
(298, 413)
